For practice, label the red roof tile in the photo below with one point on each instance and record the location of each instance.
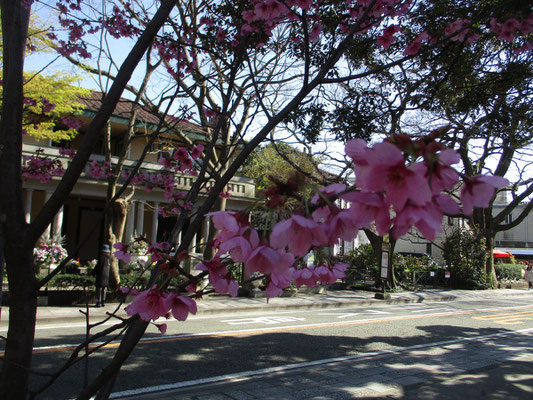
(144, 114)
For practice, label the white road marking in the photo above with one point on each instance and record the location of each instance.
(348, 315)
(262, 320)
(262, 329)
(393, 307)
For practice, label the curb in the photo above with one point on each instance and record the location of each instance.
(314, 302)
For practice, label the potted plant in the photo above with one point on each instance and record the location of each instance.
(49, 253)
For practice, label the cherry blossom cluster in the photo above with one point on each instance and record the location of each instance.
(100, 170)
(401, 195)
(400, 183)
(42, 167)
(153, 304)
(259, 19)
(184, 160)
(180, 163)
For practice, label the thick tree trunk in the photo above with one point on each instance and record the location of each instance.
(22, 315)
(17, 250)
(482, 220)
(489, 263)
(377, 245)
(115, 222)
(376, 242)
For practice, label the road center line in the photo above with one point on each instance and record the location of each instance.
(259, 331)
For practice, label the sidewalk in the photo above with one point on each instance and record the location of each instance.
(332, 299)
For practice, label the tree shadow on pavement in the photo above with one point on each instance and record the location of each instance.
(377, 364)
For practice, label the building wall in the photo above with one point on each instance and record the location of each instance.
(519, 236)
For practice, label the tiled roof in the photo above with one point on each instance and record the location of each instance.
(123, 110)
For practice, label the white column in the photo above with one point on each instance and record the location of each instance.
(192, 246)
(58, 223)
(27, 205)
(155, 218)
(139, 226)
(46, 233)
(130, 223)
(207, 226)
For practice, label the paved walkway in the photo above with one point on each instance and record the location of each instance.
(331, 299)
(487, 367)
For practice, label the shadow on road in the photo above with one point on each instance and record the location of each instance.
(194, 358)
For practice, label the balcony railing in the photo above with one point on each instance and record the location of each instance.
(239, 186)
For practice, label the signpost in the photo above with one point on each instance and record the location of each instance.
(385, 255)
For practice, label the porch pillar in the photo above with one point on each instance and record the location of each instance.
(130, 222)
(46, 233)
(155, 220)
(27, 205)
(139, 226)
(57, 226)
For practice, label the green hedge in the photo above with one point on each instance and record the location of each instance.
(69, 281)
(509, 271)
(78, 282)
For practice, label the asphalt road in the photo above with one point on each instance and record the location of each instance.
(211, 346)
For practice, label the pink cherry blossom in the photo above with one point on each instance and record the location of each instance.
(358, 151)
(249, 16)
(323, 212)
(367, 207)
(180, 154)
(129, 291)
(277, 283)
(273, 291)
(267, 260)
(304, 276)
(314, 35)
(149, 305)
(229, 224)
(442, 176)
(238, 247)
(197, 151)
(427, 219)
(413, 47)
(165, 162)
(329, 274)
(387, 171)
(479, 191)
(269, 9)
(221, 34)
(155, 248)
(185, 165)
(72, 123)
(122, 252)
(162, 328)
(341, 225)
(219, 277)
(446, 204)
(460, 25)
(299, 233)
(180, 306)
(387, 38)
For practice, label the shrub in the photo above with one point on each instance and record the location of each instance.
(133, 281)
(509, 271)
(70, 281)
(362, 264)
(465, 254)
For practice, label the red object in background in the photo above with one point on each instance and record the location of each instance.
(500, 254)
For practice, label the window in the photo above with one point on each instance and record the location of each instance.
(509, 218)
